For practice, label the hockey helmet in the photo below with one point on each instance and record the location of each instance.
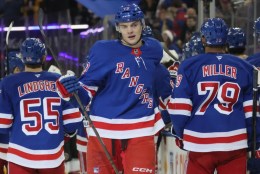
(257, 27)
(186, 51)
(147, 32)
(196, 44)
(33, 50)
(129, 13)
(14, 58)
(236, 38)
(215, 31)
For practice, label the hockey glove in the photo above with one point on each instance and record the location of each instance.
(179, 143)
(178, 140)
(253, 165)
(173, 69)
(66, 85)
(68, 136)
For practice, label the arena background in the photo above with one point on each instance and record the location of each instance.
(71, 45)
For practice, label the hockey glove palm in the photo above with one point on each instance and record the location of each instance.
(67, 85)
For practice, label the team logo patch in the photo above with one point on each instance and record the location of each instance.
(37, 75)
(219, 57)
(178, 80)
(136, 52)
(96, 170)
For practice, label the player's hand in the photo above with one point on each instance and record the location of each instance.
(173, 69)
(178, 140)
(253, 165)
(68, 136)
(66, 85)
(179, 143)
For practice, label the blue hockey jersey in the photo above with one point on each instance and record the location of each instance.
(121, 79)
(81, 139)
(211, 104)
(4, 140)
(37, 118)
(254, 60)
(163, 87)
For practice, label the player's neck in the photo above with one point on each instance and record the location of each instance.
(28, 69)
(220, 50)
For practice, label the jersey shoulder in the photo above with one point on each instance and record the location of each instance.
(253, 57)
(152, 49)
(104, 46)
(225, 59)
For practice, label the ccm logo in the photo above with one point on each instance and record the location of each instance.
(144, 170)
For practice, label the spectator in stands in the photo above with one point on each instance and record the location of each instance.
(149, 7)
(191, 12)
(189, 28)
(224, 10)
(165, 23)
(30, 11)
(11, 11)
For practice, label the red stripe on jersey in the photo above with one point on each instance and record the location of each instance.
(3, 150)
(180, 106)
(6, 121)
(83, 143)
(248, 109)
(71, 116)
(162, 105)
(230, 139)
(93, 92)
(36, 157)
(130, 126)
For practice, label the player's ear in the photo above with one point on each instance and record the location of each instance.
(117, 28)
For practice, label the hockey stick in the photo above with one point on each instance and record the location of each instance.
(7, 47)
(158, 142)
(255, 92)
(168, 52)
(158, 36)
(253, 164)
(41, 15)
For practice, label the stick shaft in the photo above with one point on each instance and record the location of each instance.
(7, 47)
(255, 98)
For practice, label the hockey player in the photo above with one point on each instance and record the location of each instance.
(163, 89)
(35, 115)
(236, 42)
(211, 106)
(196, 44)
(81, 142)
(254, 161)
(255, 58)
(186, 51)
(120, 79)
(15, 66)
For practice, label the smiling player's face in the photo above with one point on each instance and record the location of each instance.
(131, 33)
